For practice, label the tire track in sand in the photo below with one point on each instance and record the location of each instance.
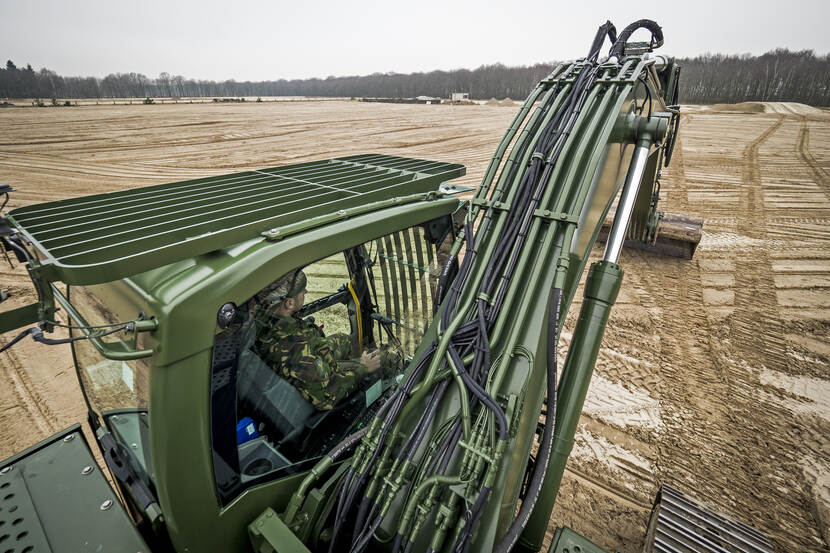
(25, 394)
(755, 322)
(718, 445)
(819, 174)
(755, 339)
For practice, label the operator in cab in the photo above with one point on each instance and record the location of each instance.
(320, 367)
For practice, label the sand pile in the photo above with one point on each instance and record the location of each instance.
(742, 107)
(783, 108)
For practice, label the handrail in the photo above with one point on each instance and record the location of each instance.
(116, 352)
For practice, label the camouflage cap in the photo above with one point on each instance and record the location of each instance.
(287, 286)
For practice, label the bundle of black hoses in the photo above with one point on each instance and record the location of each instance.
(618, 48)
(473, 337)
(37, 336)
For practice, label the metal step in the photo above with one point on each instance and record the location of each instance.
(55, 499)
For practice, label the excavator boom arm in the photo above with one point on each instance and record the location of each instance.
(445, 461)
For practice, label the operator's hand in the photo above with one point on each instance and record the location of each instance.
(371, 360)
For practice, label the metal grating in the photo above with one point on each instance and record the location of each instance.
(680, 525)
(109, 236)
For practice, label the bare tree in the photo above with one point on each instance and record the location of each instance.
(779, 75)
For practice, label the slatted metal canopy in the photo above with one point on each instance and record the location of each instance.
(109, 236)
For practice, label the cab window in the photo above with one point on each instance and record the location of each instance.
(108, 384)
(117, 391)
(291, 381)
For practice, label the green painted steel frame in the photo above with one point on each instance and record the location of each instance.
(587, 177)
(104, 238)
(566, 540)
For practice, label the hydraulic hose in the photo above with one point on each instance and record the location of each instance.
(450, 268)
(349, 492)
(37, 336)
(656, 31)
(543, 456)
(17, 338)
(414, 440)
(525, 202)
(606, 29)
(480, 393)
(347, 443)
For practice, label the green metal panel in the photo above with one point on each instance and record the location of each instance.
(566, 540)
(131, 427)
(106, 237)
(54, 498)
(270, 535)
(21, 316)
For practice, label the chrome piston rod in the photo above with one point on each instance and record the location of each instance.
(619, 228)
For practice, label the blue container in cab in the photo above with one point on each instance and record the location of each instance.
(246, 430)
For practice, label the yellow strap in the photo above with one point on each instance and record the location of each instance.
(359, 314)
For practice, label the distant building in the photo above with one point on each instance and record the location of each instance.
(460, 96)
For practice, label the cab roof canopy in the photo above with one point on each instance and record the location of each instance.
(105, 237)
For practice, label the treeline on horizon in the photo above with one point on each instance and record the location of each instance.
(779, 75)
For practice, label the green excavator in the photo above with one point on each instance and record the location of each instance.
(460, 447)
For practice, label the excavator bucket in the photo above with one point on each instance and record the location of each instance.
(676, 235)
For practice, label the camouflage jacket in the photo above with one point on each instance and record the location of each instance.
(317, 365)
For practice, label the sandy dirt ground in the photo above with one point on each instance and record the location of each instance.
(713, 376)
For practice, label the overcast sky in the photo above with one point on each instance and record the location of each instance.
(266, 40)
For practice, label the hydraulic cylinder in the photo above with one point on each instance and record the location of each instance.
(619, 228)
(601, 290)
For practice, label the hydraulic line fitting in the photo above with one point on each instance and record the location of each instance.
(640, 129)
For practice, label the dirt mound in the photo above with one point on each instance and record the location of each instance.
(782, 108)
(491, 102)
(788, 108)
(507, 102)
(742, 107)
